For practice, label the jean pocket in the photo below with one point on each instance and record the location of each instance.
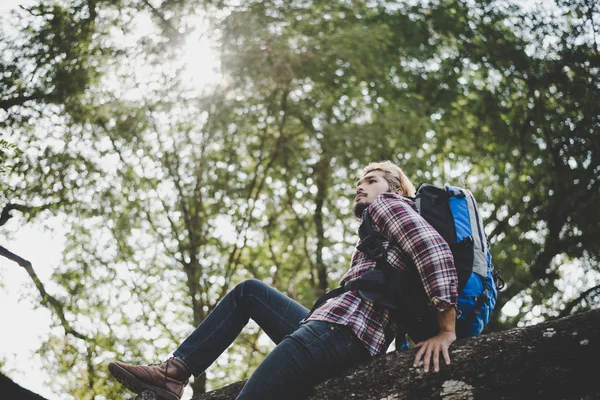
(313, 331)
(348, 344)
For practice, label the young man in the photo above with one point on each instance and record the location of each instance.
(340, 333)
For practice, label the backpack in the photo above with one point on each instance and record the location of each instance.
(454, 213)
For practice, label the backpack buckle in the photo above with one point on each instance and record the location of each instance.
(372, 247)
(498, 280)
(468, 241)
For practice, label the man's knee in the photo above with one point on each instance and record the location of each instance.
(248, 287)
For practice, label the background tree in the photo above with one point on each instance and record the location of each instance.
(174, 195)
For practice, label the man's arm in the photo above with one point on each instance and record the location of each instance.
(430, 349)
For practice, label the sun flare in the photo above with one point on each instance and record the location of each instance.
(200, 58)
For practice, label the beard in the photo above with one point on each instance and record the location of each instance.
(359, 208)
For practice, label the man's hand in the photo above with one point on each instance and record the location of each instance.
(431, 348)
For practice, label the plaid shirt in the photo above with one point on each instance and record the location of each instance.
(409, 237)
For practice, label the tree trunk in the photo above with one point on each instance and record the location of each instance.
(551, 360)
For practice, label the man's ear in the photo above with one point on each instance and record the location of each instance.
(399, 191)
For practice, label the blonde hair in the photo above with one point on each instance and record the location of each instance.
(394, 176)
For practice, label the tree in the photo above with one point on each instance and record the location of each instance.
(172, 196)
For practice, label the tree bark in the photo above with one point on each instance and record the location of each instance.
(551, 360)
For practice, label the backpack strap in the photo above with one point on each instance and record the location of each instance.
(329, 295)
(390, 279)
(367, 285)
(371, 242)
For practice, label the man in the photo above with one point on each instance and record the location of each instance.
(346, 330)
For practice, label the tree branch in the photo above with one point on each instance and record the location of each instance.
(47, 300)
(548, 360)
(571, 305)
(163, 21)
(20, 100)
(5, 215)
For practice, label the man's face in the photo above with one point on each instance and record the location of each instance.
(368, 188)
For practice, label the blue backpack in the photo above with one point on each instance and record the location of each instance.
(453, 212)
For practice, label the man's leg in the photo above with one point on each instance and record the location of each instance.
(315, 352)
(275, 313)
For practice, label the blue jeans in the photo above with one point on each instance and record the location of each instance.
(304, 356)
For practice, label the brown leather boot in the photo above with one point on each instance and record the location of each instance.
(166, 380)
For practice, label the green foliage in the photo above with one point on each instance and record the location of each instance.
(6, 150)
(172, 197)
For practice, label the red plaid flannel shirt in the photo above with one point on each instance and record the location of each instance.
(410, 237)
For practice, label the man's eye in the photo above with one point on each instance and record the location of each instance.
(372, 181)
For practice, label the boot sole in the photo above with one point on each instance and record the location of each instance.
(137, 386)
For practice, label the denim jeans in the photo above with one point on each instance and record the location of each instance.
(304, 356)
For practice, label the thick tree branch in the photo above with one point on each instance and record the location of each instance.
(549, 360)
